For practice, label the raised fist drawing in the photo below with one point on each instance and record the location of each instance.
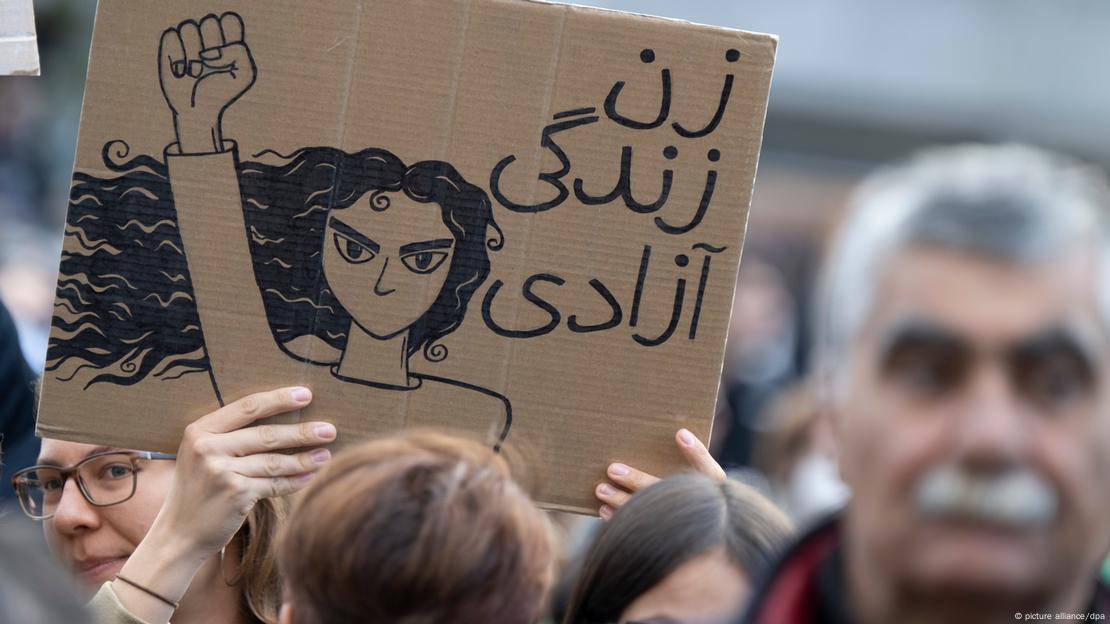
(203, 68)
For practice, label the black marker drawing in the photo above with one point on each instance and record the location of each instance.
(351, 261)
(648, 57)
(616, 311)
(581, 117)
(571, 119)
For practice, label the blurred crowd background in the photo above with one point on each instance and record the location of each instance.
(857, 83)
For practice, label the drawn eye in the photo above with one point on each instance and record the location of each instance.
(351, 251)
(424, 261)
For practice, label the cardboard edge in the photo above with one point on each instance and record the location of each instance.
(757, 153)
(648, 16)
(117, 440)
(582, 511)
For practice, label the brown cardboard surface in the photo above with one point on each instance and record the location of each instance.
(19, 52)
(561, 288)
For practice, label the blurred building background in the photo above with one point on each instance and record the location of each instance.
(38, 135)
(861, 82)
(857, 83)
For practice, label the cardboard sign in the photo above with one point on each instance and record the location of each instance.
(517, 219)
(19, 51)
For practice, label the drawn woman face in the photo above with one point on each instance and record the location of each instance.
(387, 266)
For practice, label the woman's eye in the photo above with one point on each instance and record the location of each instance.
(52, 484)
(424, 261)
(116, 471)
(351, 251)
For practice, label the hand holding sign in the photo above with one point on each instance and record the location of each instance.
(626, 480)
(203, 68)
(225, 465)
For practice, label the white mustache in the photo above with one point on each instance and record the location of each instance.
(1015, 499)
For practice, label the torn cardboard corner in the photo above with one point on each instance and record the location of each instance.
(518, 220)
(19, 52)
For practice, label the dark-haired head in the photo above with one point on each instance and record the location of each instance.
(723, 534)
(295, 238)
(125, 296)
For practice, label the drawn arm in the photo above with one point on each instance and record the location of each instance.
(203, 68)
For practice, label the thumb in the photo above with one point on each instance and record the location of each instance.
(697, 455)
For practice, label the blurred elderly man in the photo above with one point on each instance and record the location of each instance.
(965, 346)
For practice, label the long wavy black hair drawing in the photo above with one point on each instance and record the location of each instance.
(125, 303)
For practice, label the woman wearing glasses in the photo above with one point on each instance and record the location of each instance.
(190, 538)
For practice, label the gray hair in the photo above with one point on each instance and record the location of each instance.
(1012, 203)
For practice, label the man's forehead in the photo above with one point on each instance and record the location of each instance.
(987, 301)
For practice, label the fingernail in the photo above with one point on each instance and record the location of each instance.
(685, 437)
(302, 395)
(305, 478)
(618, 470)
(321, 456)
(211, 54)
(605, 490)
(325, 431)
(605, 512)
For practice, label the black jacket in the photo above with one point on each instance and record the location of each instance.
(18, 444)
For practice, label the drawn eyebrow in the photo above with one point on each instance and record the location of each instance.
(354, 235)
(439, 243)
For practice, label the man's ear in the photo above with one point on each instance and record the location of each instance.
(830, 418)
(830, 423)
(286, 615)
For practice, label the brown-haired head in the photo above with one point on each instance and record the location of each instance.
(417, 528)
(666, 525)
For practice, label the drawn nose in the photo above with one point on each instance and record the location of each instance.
(379, 289)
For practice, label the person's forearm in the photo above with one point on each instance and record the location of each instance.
(165, 564)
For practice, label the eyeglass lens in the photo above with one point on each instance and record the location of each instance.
(107, 480)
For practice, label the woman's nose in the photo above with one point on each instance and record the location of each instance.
(74, 514)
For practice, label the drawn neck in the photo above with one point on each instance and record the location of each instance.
(376, 360)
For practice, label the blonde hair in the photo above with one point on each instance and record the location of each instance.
(259, 576)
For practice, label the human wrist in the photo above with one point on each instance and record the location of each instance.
(175, 541)
(163, 564)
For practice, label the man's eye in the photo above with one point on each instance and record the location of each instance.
(1054, 381)
(424, 261)
(351, 251)
(925, 371)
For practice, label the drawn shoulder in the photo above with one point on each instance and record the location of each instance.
(469, 407)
